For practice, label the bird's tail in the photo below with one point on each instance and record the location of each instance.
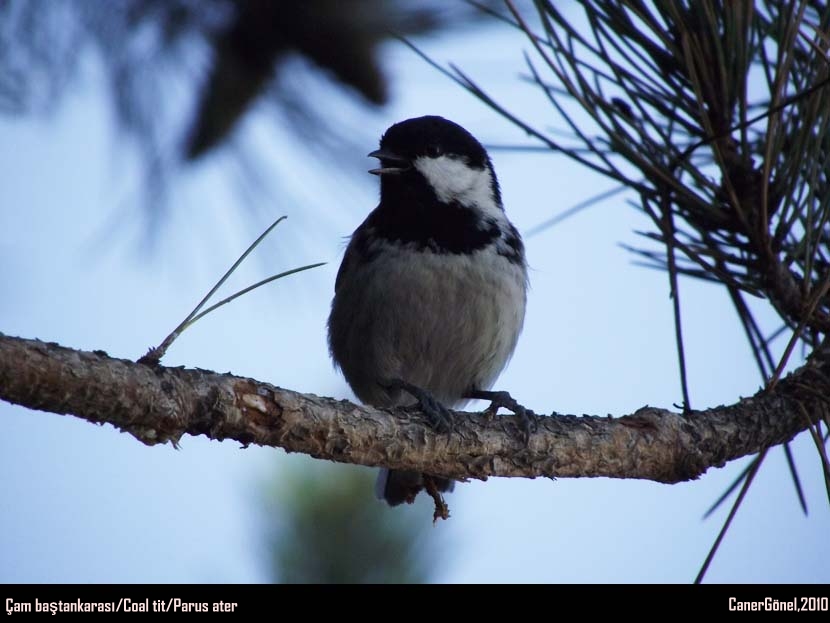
(397, 486)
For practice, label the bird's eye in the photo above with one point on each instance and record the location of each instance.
(433, 151)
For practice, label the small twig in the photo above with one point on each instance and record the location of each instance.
(668, 223)
(822, 452)
(155, 354)
(818, 295)
(728, 491)
(799, 491)
(756, 463)
(248, 289)
(740, 126)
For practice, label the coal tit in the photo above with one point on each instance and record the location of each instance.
(430, 296)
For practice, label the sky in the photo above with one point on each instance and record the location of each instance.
(85, 503)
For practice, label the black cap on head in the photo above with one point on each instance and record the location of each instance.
(433, 136)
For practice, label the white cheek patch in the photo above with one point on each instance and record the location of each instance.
(453, 179)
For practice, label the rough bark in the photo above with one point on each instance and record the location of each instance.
(160, 404)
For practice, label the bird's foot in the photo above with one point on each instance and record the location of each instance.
(442, 511)
(439, 417)
(528, 420)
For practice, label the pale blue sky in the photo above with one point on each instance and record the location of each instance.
(84, 503)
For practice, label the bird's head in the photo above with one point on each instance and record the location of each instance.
(435, 153)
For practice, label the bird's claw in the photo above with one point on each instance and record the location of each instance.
(439, 417)
(528, 420)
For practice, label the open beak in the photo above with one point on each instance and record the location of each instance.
(390, 163)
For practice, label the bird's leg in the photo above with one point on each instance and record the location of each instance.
(527, 418)
(439, 417)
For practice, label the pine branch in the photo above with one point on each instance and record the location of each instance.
(158, 404)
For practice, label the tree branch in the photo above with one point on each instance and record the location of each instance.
(160, 404)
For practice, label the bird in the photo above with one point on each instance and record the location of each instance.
(430, 295)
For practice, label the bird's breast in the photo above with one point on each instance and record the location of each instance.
(445, 322)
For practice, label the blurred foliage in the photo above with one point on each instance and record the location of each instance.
(192, 69)
(183, 75)
(324, 525)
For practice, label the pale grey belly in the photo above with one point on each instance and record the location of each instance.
(445, 323)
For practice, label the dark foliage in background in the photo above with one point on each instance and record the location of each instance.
(239, 46)
(184, 73)
(323, 524)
